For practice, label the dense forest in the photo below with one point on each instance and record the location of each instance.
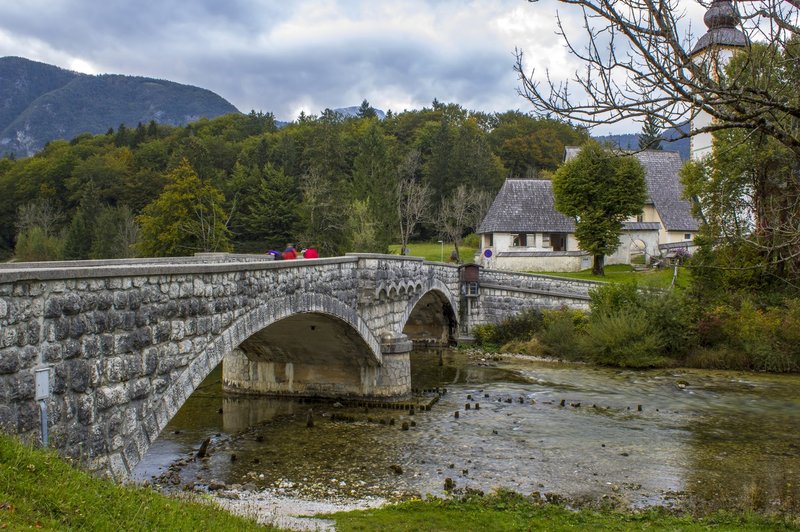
(240, 182)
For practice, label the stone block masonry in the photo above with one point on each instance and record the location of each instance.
(129, 340)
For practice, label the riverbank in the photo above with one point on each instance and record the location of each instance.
(39, 491)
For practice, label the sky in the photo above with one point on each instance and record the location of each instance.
(306, 55)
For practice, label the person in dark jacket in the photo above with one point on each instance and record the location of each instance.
(276, 255)
(289, 253)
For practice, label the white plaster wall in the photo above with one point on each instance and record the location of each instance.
(540, 264)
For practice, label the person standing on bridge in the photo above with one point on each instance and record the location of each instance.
(310, 253)
(289, 253)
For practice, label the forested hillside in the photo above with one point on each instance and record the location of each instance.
(240, 182)
(40, 103)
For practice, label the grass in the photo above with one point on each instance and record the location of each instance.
(508, 511)
(623, 273)
(39, 491)
(434, 251)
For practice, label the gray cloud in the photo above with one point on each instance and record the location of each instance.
(308, 54)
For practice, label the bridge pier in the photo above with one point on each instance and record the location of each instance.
(333, 379)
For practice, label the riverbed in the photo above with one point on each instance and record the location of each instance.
(699, 440)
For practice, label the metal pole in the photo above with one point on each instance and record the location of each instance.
(43, 411)
(441, 254)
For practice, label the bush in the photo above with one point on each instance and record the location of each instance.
(472, 241)
(560, 333)
(613, 297)
(623, 338)
(521, 327)
(35, 245)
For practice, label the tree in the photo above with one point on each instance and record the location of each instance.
(650, 137)
(186, 218)
(456, 214)
(365, 110)
(412, 197)
(637, 62)
(374, 180)
(324, 215)
(116, 233)
(599, 190)
(361, 228)
(271, 213)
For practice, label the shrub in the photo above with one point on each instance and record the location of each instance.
(718, 358)
(472, 241)
(35, 245)
(560, 332)
(623, 338)
(520, 327)
(483, 334)
(613, 297)
(526, 347)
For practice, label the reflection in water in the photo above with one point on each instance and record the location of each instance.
(701, 438)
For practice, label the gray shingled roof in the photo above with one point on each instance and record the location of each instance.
(525, 206)
(665, 189)
(641, 226)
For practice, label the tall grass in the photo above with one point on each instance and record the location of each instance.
(40, 491)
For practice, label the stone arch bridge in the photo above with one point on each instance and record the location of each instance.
(128, 341)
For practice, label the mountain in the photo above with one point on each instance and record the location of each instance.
(40, 103)
(631, 141)
(350, 112)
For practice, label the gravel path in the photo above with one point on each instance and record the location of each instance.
(287, 512)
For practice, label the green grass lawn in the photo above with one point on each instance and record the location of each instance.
(433, 251)
(40, 491)
(623, 273)
(507, 512)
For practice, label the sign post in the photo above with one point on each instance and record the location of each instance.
(42, 381)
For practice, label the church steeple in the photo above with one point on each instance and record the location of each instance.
(714, 49)
(722, 21)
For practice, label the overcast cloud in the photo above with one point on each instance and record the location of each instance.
(284, 57)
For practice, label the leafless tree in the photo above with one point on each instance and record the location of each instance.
(638, 63)
(42, 213)
(412, 199)
(456, 214)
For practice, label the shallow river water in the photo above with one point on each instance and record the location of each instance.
(696, 439)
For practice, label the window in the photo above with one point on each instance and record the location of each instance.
(490, 240)
(687, 236)
(558, 241)
(519, 241)
(546, 240)
(640, 217)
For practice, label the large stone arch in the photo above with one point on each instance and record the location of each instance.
(436, 326)
(208, 355)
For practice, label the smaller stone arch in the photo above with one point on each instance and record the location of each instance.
(436, 323)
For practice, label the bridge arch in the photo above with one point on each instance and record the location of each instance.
(431, 317)
(227, 343)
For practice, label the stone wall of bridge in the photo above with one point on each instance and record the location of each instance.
(128, 341)
(504, 294)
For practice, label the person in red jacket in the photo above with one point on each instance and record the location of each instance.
(289, 253)
(310, 253)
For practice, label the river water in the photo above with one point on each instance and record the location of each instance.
(694, 439)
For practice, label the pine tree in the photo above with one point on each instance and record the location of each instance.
(650, 138)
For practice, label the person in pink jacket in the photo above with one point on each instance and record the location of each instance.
(310, 253)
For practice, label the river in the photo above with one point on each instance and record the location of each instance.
(693, 439)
